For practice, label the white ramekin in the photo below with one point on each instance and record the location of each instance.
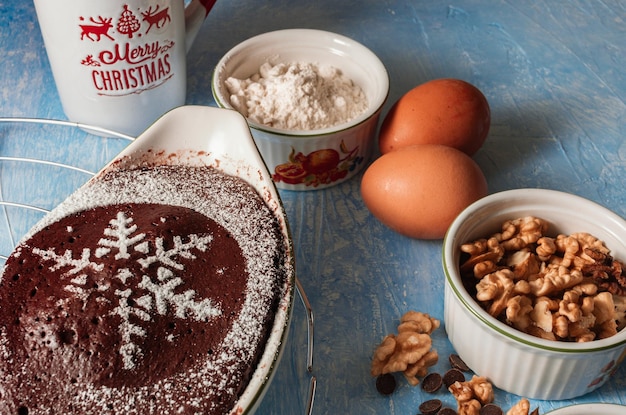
(350, 144)
(514, 361)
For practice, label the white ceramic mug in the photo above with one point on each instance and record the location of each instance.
(119, 64)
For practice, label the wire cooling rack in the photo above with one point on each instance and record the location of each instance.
(30, 185)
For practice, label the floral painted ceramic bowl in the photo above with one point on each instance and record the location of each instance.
(517, 362)
(310, 158)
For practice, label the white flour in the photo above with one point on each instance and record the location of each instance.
(297, 96)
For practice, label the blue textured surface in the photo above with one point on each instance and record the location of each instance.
(552, 71)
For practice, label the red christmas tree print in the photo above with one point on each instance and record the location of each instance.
(128, 23)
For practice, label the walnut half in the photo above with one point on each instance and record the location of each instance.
(471, 395)
(410, 350)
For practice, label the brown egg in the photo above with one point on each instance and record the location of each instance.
(451, 112)
(419, 190)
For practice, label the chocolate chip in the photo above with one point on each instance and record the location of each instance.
(447, 411)
(453, 375)
(386, 384)
(491, 409)
(430, 407)
(457, 363)
(432, 382)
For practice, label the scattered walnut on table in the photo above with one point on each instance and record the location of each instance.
(566, 287)
(415, 321)
(471, 395)
(410, 350)
(474, 397)
(522, 407)
(471, 407)
(483, 391)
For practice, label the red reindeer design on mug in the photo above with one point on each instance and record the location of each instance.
(156, 17)
(99, 28)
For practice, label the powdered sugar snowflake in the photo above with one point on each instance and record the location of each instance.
(157, 293)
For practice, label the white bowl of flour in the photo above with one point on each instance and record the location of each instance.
(312, 100)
